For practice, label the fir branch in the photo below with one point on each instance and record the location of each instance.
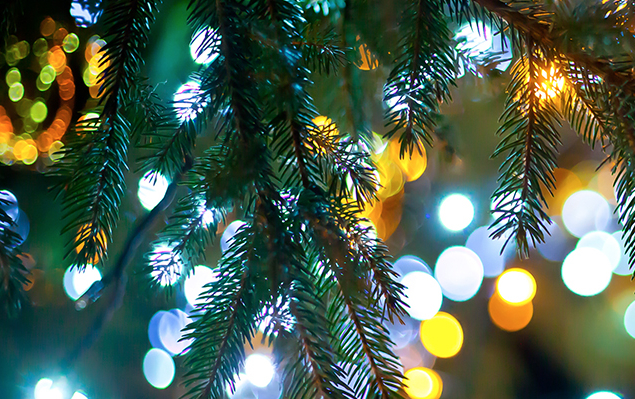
(94, 162)
(225, 319)
(422, 76)
(530, 138)
(321, 50)
(13, 274)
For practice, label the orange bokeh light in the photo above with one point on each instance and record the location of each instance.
(509, 317)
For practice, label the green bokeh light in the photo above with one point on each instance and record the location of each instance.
(38, 111)
(47, 75)
(70, 43)
(40, 47)
(16, 92)
(13, 76)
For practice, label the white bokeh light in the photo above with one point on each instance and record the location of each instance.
(228, 235)
(195, 283)
(44, 389)
(456, 212)
(170, 332)
(76, 282)
(203, 46)
(158, 368)
(477, 42)
(604, 395)
(459, 272)
(152, 189)
(604, 242)
(167, 266)
(489, 249)
(259, 369)
(623, 268)
(422, 295)
(79, 395)
(409, 263)
(186, 101)
(9, 204)
(516, 286)
(586, 271)
(629, 319)
(585, 211)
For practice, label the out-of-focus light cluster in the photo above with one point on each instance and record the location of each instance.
(165, 331)
(23, 139)
(550, 83)
(510, 307)
(77, 282)
(95, 65)
(204, 46)
(46, 388)
(187, 102)
(423, 383)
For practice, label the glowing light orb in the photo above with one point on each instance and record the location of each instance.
(158, 368)
(228, 235)
(629, 319)
(409, 263)
(259, 370)
(459, 271)
(442, 335)
(422, 383)
(152, 189)
(195, 283)
(623, 268)
(586, 271)
(76, 282)
(79, 395)
(70, 43)
(488, 250)
(13, 76)
(187, 101)
(606, 243)
(16, 92)
(203, 47)
(402, 334)
(38, 111)
(423, 295)
(604, 395)
(509, 317)
(169, 331)
(456, 212)
(44, 390)
(516, 286)
(9, 204)
(167, 266)
(557, 244)
(479, 43)
(584, 212)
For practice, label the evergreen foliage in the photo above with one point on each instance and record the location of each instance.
(303, 259)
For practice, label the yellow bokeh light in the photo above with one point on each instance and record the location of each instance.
(38, 111)
(13, 76)
(550, 83)
(16, 92)
(70, 43)
(29, 154)
(391, 178)
(55, 153)
(47, 27)
(47, 74)
(509, 317)
(412, 165)
(368, 60)
(516, 286)
(567, 183)
(442, 335)
(422, 383)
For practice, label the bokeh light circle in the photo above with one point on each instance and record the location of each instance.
(158, 368)
(606, 243)
(459, 271)
(410, 263)
(170, 332)
(586, 271)
(227, 238)
(422, 383)
(516, 286)
(623, 268)
(456, 212)
(604, 395)
(509, 317)
(489, 250)
(77, 282)
(152, 189)
(44, 390)
(585, 211)
(259, 369)
(195, 283)
(629, 319)
(422, 294)
(442, 335)
(202, 46)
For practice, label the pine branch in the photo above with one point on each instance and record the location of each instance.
(422, 76)
(225, 319)
(94, 162)
(13, 274)
(321, 50)
(530, 138)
